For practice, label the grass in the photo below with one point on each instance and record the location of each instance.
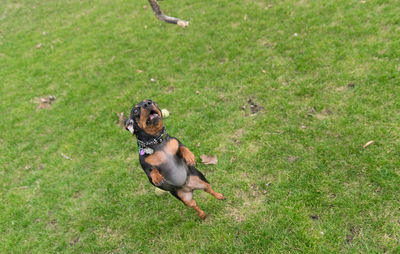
(326, 73)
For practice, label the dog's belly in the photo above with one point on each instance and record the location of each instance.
(175, 171)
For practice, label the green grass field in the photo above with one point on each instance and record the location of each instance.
(324, 74)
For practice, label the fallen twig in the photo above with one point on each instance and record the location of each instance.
(66, 157)
(368, 143)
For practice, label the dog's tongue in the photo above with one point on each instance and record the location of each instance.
(152, 116)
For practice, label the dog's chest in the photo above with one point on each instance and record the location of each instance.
(171, 166)
(162, 154)
(174, 170)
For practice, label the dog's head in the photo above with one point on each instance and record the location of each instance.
(145, 117)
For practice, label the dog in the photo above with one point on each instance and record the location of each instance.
(168, 163)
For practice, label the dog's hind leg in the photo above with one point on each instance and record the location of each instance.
(217, 195)
(186, 197)
(197, 184)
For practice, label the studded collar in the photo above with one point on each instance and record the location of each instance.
(157, 140)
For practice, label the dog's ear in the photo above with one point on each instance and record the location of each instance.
(129, 126)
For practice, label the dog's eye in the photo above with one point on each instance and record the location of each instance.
(135, 111)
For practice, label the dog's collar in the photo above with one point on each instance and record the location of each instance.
(157, 140)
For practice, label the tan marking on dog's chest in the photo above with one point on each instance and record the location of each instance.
(156, 159)
(171, 147)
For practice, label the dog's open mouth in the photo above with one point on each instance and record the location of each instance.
(153, 117)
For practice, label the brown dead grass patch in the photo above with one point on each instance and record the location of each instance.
(252, 202)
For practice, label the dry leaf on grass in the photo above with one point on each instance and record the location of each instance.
(45, 102)
(368, 143)
(208, 159)
(121, 120)
(326, 111)
(312, 110)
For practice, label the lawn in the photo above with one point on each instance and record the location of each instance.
(284, 93)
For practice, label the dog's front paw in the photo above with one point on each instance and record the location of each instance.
(190, 159)
(156, 177)
(188, 156)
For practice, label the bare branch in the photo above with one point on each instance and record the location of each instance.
(161, 16)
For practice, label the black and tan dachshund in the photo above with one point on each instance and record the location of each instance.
(168, 163)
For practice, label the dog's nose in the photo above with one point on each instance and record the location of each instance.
(148, 103)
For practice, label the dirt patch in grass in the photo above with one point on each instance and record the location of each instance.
(252, 202)
(353, 232)
(74, 241)
(252, 108)
(108, 235)
(53, 224)
(238, 135)
(324, 113)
